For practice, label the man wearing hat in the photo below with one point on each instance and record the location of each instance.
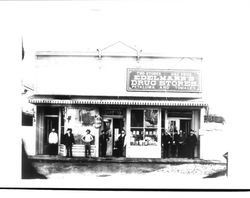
(53, 142)
(191, 143)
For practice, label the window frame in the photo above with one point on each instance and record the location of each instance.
(144, 128)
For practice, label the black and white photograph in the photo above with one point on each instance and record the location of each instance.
(126, 94)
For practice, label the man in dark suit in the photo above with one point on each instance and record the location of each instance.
(175, 144)
(191, 143)
(120, 143)
(103, 139)
(69, 140)
(167, 141)
(182, 144)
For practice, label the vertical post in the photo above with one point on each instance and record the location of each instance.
(193, 121)
(59, 129)
(159, 132)
(166, 119)
(226, 157)
(39, 130)
(97, 137)
(166, 128)
(128, 131)
(202, 114)
(195, 127)
(227, 168)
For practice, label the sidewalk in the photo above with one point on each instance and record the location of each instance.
(174, 161)
(81, 168)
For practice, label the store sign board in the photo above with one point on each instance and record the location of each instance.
(173, 80)
(112, 112)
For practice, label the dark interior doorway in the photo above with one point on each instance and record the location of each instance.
(185, 126)
(50, 122)
(118, 125)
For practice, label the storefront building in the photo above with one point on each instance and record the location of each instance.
(111, 90)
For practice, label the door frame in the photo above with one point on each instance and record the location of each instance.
(46, 132)
(109, 151)
(178, 121)
(110, 144)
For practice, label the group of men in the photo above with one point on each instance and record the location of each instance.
(68, 140)
(119, 143)
(179, 144)
(174, 144)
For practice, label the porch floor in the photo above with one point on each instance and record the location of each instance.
(57, 158)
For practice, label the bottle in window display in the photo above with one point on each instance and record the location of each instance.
(132, 141)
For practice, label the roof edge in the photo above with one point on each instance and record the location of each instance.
(113, 55)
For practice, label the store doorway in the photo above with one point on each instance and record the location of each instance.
(113, 127)
(182, 127)
(51, 122)
(185, 127)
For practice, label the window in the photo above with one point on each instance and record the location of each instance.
(27, 119)
(144, 127)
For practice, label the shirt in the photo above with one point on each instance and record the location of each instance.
(53, 139)
(88, 138)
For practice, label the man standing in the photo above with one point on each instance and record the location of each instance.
(53, 142)
(175, 144)
(104, 138)
(167, 141)
(181, 150)
(69, 141)
(191, 143)
(121, 143)
(87, 139)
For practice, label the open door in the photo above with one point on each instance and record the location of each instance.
(109, 130)
(50, 123)
(185, 126)
(113, 126)
(118, 125)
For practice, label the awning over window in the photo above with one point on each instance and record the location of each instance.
(122, 101)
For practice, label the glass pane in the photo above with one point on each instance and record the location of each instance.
(144, 127)
(136, 136)
(150, 137)
(136, 118)
(151, 118)
(172, 126)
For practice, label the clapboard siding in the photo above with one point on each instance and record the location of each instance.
(78, 150)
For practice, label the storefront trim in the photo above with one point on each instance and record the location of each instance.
(131, 102)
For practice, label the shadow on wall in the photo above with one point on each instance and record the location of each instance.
(28, 170)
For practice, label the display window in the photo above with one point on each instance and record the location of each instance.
(79, 120)
(144, 126)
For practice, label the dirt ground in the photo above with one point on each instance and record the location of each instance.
(59, 170)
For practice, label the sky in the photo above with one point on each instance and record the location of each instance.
(208, 29)
(216, 30)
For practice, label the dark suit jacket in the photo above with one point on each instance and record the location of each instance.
(120, 142)
(191, 140)
(68, 140)
(166, 140)
(103, 139)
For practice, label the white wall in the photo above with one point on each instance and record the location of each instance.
(213, 143)
(29, 138)
(108, 76)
